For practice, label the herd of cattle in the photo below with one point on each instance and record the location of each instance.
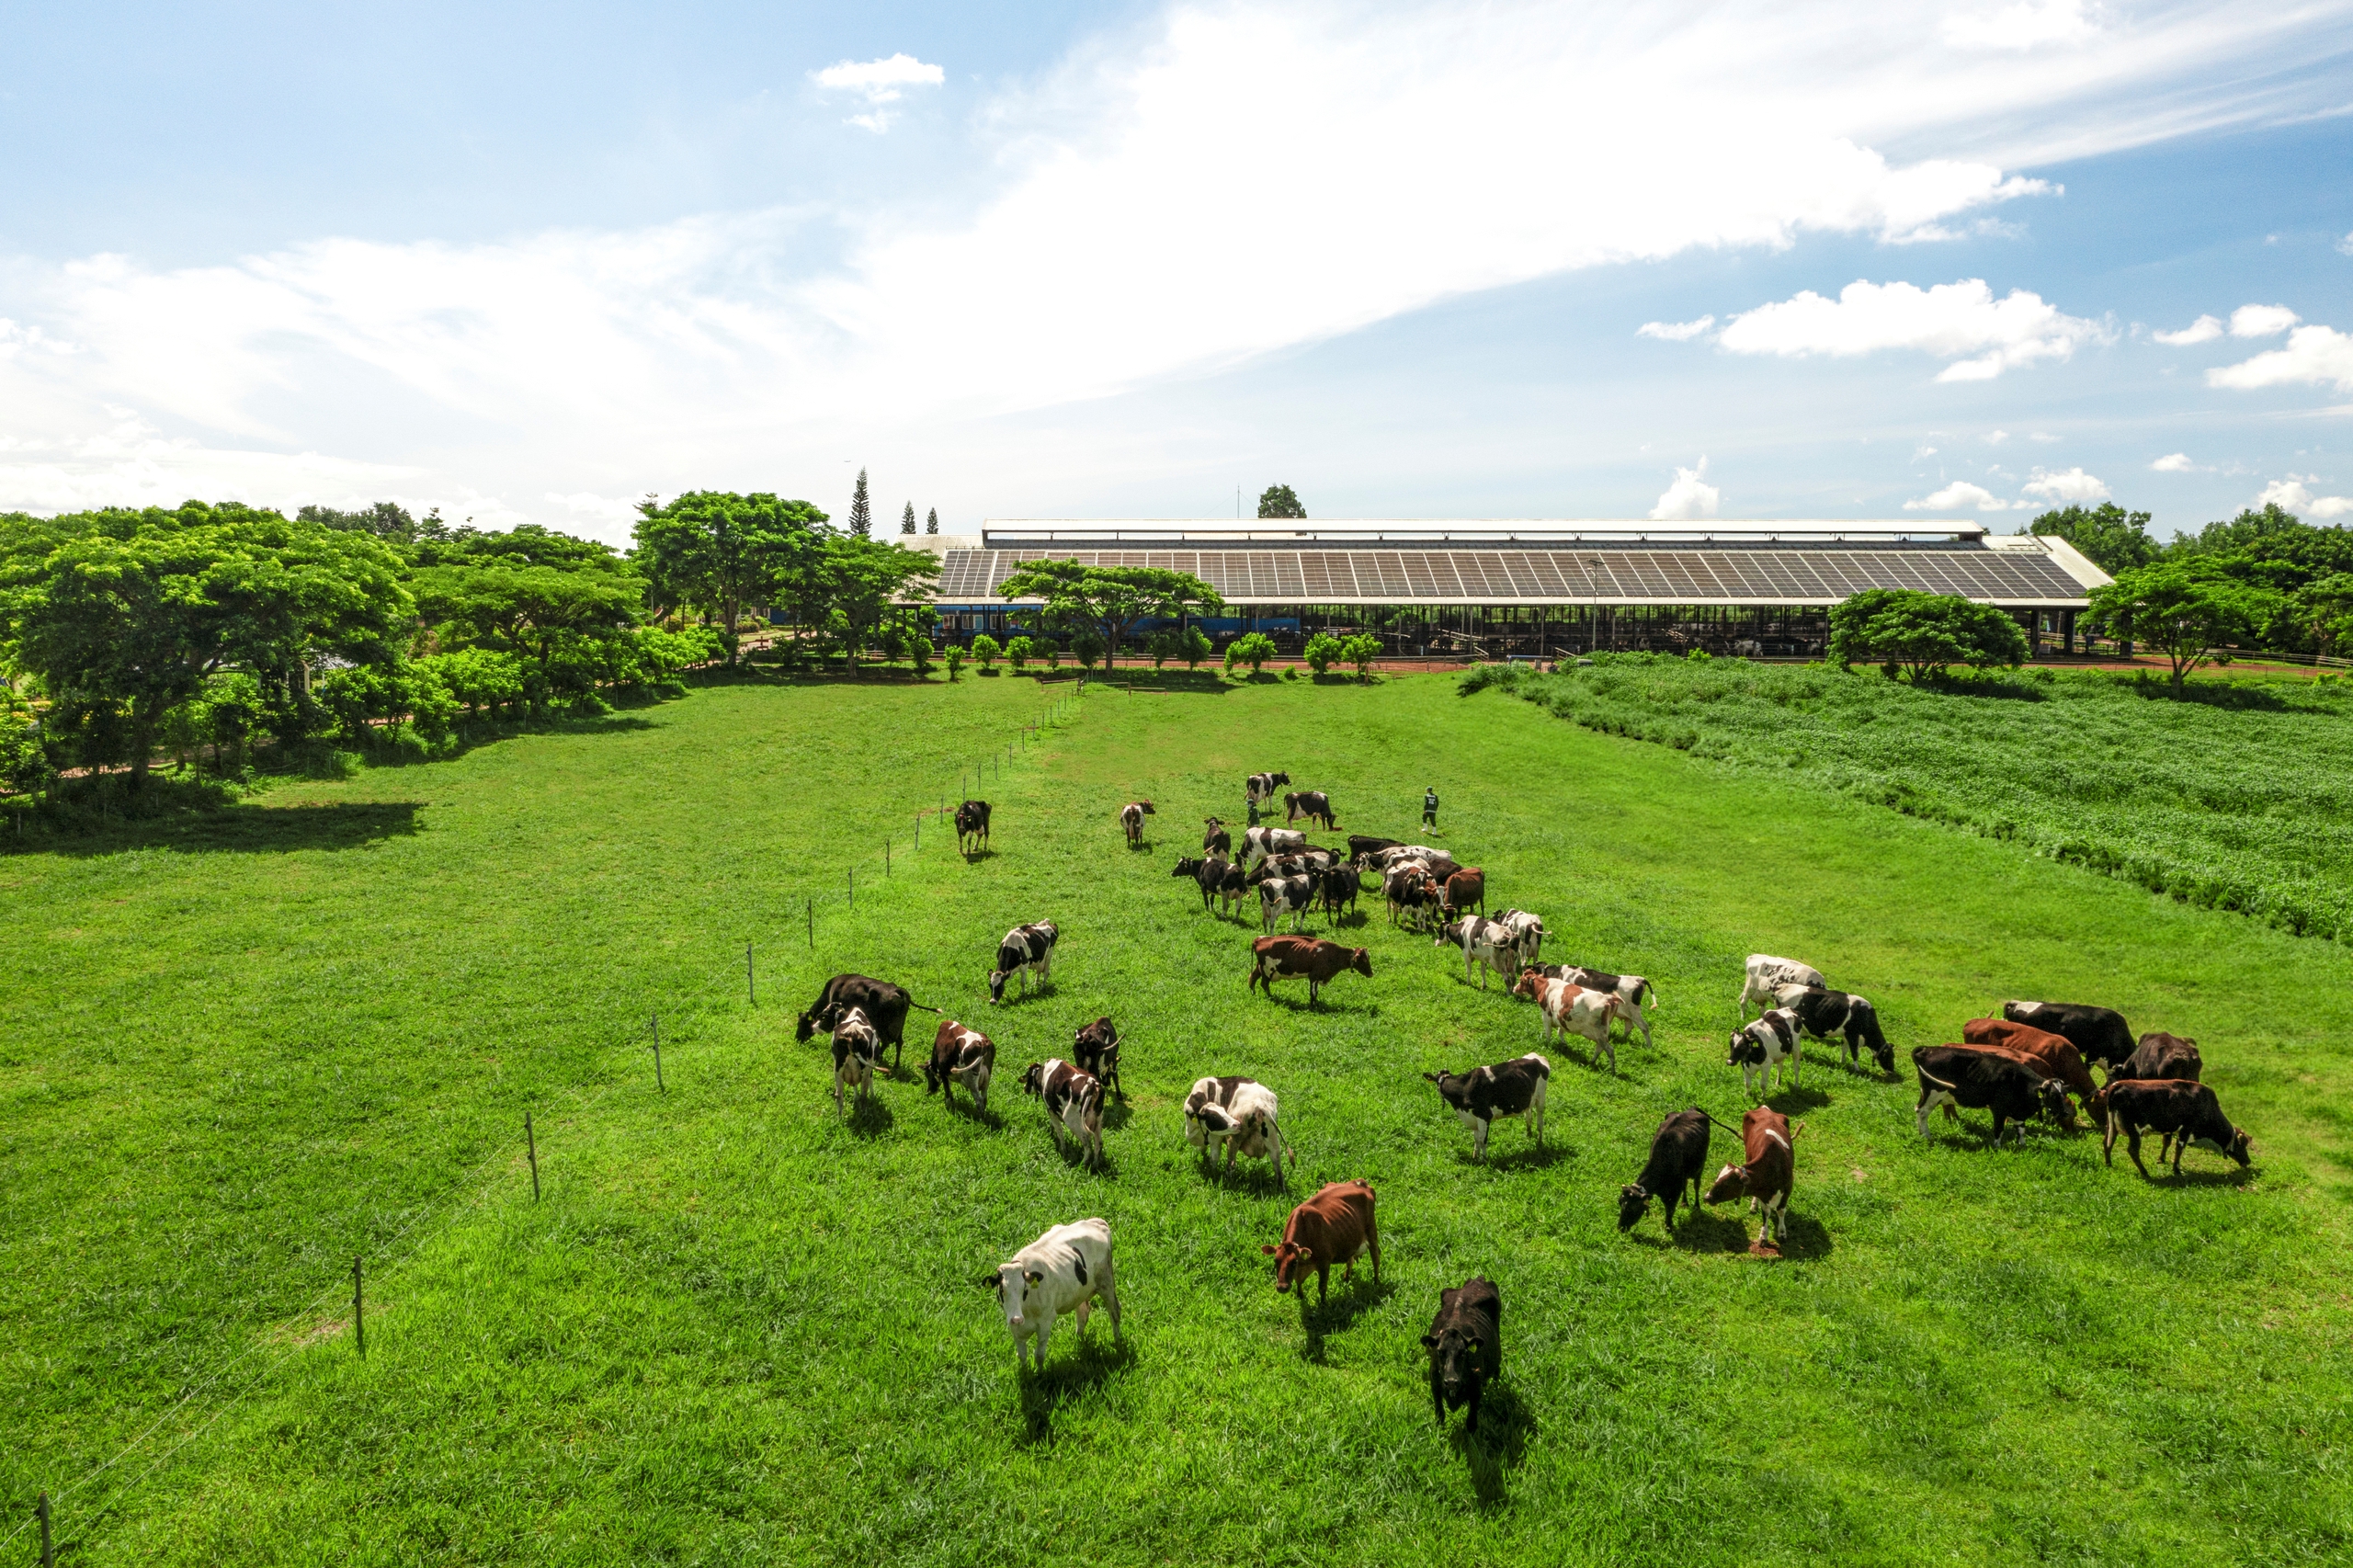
(2026, 1063)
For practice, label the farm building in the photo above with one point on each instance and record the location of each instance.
(1535, 588)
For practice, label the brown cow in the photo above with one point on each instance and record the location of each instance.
(1334, 1226)
(2043, 1072)
(1767, 1177)
(2162, 1055)
(1467, 889)
(1281, 957)
(2054, 1056)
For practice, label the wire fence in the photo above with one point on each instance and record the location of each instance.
(250, 1367)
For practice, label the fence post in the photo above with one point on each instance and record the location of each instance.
(886, 853)
(657, 1055)
(812, 925)
(918, 833)
(531, 1147)
(751, 983)
(41, 1512)
(852, 887)
(358, 1311)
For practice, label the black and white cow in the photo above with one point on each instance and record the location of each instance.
(1074, 1104)
(1259, 788)
(1132, 817)
(884, 1005)
(1765, 1048)
(1336, 887)
(1362, 844)
(1061, 1273)
(1485, 1096)
(1824, 1015)
(2100, 1034)
(1411, 894)
(1096, 1050)
(973, 826)
(856, 1048)
(1678, 1158)
(1257, 843)
(1976, 1079)
(1527, 934)
(1281, 895)
(1634, 988)
(1025, 951)
(1486, 946)
(1238, 1114)
(961, 1054)
(1767, 975)
(1313, 805)
(1440, 862)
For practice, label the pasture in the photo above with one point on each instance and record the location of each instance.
(739, 1328)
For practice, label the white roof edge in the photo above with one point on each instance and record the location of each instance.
(2074, 561)
(1488, 527)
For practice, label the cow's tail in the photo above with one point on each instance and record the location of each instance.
(1929, 1077)
(1650, 992)
(913, 1003)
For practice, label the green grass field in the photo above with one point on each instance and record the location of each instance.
(738, 1329)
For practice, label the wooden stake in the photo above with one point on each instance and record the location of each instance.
(531, 1147)
(751, 984)
(41, 1512)
(358, 1309)
(658, 1088)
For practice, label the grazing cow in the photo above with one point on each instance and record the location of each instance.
(1572, 1009)
(1767, 975)
(884, 1005)
(1239, 1113)
(1025, 951)
(1466, 1346)
(856, 1048)
(2162, 1055)
(1528, 930)
(1484, 945)
(961, 1054)
(1841, 1013)
(1335, 1226)
(1633, 987)
(1313, 805)
(1485, 1096)
(1411, 894)
(1062, 1272)
(1767, 1176)
(1339, 886)
(1095, 1049)
(1976, 1078)
(2184, 1112)
(1074, 1103)
(1132, 817)
(1215, 840)
(1280, 895)
(2065, 1111)
(1281, 957)
(973, 826)
(1363, 844)
(2052, 1055)
(2100, 1033)
(1257, 843)
(1765, 1049)
(1467, 889)
(1678, 1158)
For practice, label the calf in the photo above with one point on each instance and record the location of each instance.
(1466, 1346)
(1766, 974)
(1280, 895)
(1528, 930)
(1025, 951)
(1410, 892)
(1467, 889)
(1485, 1096)
(1572, 1009)
(1132, 817)
(1095, 1048)
(1765, 1048)
(1215, 840)
(1974, 1078)
(1313, 805)
(961, 1055)
(856, 1048)
(1074, 1103)
(1281, 957)
(2162, 1055)
(2052, 1055)
(1257, 843)
(1240, 1114)
(1484, 945)
(2185, 1112)
(1633, 987)
(1824, 1014)
(1064, 1271)
(1337, 886)
(1678, 1158)
(884, 1005)
(973, 826)
(2100, 1033)
(1335, 1226)
(1765, 1180)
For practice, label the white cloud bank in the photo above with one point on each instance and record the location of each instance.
(1959, 496)
(2072, 486)
(1960, 322)
(2293, 493)
(1675, 330)
(2032, 24)
(2262, 321)
(879, 82)
(2205, 329)
(2313, 355)
(2174, 463)
(1689, 499)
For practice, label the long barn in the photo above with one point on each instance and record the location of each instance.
(1533, 588)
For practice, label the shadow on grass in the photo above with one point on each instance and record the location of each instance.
(1339, 1311)
(249, 829)
(1116, 1113)
(1697, 1230)
(869, 1117)
(973, 1113)
(2209, 694)
(1805, 1241)
(1255, 1177)
(1526, 1156)
(1099, 1355)
(1789, 1102)
(1498, 1448)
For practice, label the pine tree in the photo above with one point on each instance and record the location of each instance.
(907, 519)
(861, 515)
(931, 523)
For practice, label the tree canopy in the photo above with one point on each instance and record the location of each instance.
(1277, 501)
(1110, 598)
(717, 552)
(2192, 610)
(1924, 633)
(2110, 537)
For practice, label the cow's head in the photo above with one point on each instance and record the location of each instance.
(1525, 986)
(1013, 1284)
(2240, 1148)
(1145, 807)
(1291, 1263)
(2054, 1097)
(1633, 1202)
(997, 985)
(1451, 1087)
(1454, 1362)
(1033, 1078)
(806, 1027)
(1448, 935)
(1361, 961)
(1187, 869)
(1731, 1182)
(1874, 1039)
(1745, 1048)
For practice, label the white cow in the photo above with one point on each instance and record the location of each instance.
(1575, 1009)
(1766, 974)
(1484, 943)
(1765, 1048)
(1257, 843)
(1527, 934)
(857, 1046)
(1061, 1272)
(1440, 863)
(1239, 1114)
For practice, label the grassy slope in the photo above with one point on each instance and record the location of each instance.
(736, 1328)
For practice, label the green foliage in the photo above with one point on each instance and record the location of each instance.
(1277, 501)
(386, 519)
(987, 650)
(862, 580)
(1925, 633)
(1164, 645)
(1253, 649)
(535, 612)
(2109, 537)
(1194, 645)
(24, 761)
(1322, 652)
(1108, 599)
(717, 552)
(931, 521)
(1020, 651)
(2322, 612)
(2193, 609)
(955, 660)
(1359, 652)
(1088, 647)
(861, 509)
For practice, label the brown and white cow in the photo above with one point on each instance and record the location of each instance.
(1284, 957)
(1095, 1048)
(1132, 817)
(1572, 1009)
(857, 1047)
(1074, 1103)
(961, 1054)
(1768, 1172)
(1335, 1226)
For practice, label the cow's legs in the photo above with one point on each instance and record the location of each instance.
(2132, 1147)
(1479, 1140)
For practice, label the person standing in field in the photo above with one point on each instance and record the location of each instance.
(1430, 808)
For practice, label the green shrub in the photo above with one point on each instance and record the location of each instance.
(955, 660)
(1322, 652)
(1194, 645)
(1089, 647)
(1359, 652)
(1019, 651)
(1253, 649)
(987, 650)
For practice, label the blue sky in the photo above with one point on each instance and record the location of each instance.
(532, 262)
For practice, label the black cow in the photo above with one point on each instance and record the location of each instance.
(1313, 805)
(2185, 1112)
(1485, 1095)
(1827, 1014)
(1466, 1346)
(1363, 844)
(1025, 951)
(884, 1005)
(1207, 874)
(1678, 1158)
(1976, 1079)
(972, 825)
(2162, 1055)
(1095, 1049)
(2098, 1034)
(1215, 840)
(1338, 887)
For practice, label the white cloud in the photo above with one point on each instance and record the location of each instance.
(2030, 23)
(2262, 321)
(2345, 245)
(879, 82)
(1675, 330)
(1690, 497)
(1995, 437)
(1948, 320)
(2205, 329)
(596, 508)
(2292, 494)
(2044, 436)
(2313, 354)
(2174, 463)
(1922, 452)
(2072, 485)
(1959, 496)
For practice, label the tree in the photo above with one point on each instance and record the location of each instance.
(1925, 633)
(955, 660)
(1113, 598)
(1088, 647)
(532, 611)
(1195, 645)
(1322, 652)
(1253, 649)
(2110, 537)
(1359, 652)
(1277, 501)
(1018, 651)
(907, 519)
(717, 552)
(862, 580)
(861, 513)
(986, 649)
(385, 520)
(2193, 611)
(931, 521)
(2322, 611)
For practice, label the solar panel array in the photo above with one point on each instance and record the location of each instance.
(1689, 576)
